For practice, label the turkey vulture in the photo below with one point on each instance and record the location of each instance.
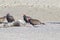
(10, 18)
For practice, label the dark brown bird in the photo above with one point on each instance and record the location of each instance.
(10, 18)
(35, 22)
(32, 21)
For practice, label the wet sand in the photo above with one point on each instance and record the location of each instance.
(43, 32)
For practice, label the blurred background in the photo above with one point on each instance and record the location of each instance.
(44, 10)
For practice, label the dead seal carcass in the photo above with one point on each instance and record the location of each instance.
(16, 23)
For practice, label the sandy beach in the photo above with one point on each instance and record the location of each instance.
(43, 32)
(43, 14)
(43, 10)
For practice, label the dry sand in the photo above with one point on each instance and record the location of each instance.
(44, 10)
(43, 14)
